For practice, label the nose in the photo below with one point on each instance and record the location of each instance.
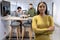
(42, 8)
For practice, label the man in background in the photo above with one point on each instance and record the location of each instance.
(31, 10)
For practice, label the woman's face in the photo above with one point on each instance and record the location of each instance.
(42, 8)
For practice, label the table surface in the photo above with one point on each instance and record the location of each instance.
(15, 18)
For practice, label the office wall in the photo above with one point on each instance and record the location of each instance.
(25, 4)
(56, 13)
(0, 0)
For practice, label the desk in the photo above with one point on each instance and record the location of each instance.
(9, 18)
(15, 18)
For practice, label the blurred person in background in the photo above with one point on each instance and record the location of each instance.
(31, 10)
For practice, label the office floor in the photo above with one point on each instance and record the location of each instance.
(54, 36)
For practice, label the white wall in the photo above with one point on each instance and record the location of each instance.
(57, 11)
(25, 4)
(0, 0)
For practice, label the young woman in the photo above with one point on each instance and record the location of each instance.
(42, 24)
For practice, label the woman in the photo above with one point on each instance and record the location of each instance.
(42, 24)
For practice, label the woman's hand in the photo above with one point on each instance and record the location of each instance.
(51, 28)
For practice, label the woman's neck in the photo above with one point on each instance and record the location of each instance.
(42, 14)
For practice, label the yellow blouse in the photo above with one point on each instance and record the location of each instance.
(40, 24)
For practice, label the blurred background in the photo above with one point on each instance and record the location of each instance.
(8, 6)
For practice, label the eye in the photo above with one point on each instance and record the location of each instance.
(43, 6)
(40, 6)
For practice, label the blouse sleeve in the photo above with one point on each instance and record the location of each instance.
(51, 22)
(34, 27)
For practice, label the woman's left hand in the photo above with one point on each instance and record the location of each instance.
(51, 28)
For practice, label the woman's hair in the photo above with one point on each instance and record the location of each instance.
(38, 12)
(19, 8)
